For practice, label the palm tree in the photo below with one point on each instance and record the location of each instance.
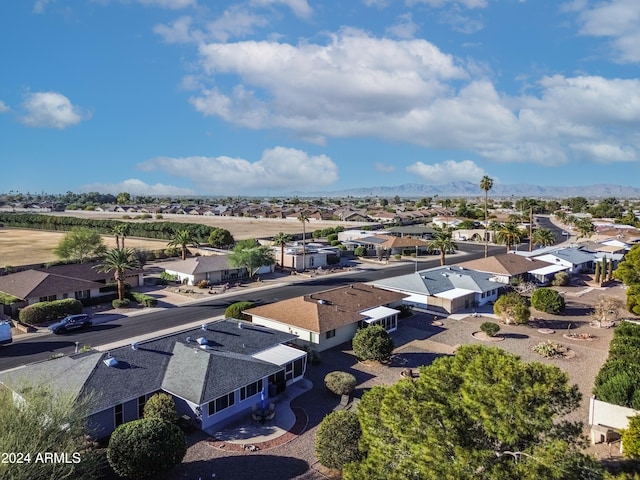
(120, 230)
(303, 218)
(543, 237)
(584, 226)
(442, 242)
(486, 184)
(118, 261)
(510, 234)
(181, 239)
(281, 239)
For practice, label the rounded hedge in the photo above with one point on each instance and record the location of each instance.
(146, 448)
(340, 383)
(235, 310)
(512, 308)
(548, 300)
(162, 406)
(42, 312)
(373, 343)
(337, 439)
(490, 328)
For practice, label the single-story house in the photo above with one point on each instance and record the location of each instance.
(211, 268)
(576, 259)
(325, 319)
(416, 231)
(214, 373)
(506, 267)
(607, 420)
(389, 243)
(447, 289)
(314, 257)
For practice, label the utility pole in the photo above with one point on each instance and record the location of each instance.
(530, 227)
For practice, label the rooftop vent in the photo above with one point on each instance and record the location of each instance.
(205, 347)
(188, 339)
(322, 302)
(110, 362)
(202, 341)
(204, 326)
(134, 346)
(240, 325)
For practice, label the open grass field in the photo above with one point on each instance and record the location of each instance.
(25, 246)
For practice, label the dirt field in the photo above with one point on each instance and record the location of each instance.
(25, 246)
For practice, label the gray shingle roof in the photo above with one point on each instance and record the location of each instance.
(202, 264)
(34, 283)
(171, 361)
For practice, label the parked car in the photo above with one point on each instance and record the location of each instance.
(5, 333)
(72, 322)
(565, 233)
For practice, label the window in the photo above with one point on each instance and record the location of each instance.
(288, 371)
(141, 403)
(221, 403)
(298, 367)
(330, 334)
(250, 390)
(49, 298)
(83, 294)
(119, 415)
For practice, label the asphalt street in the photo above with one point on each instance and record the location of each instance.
(43, 346)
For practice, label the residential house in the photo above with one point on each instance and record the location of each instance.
(214, 373)
(507, 267)
(445, 289)
(389, 243)
(576, 259)
(211, 268)
(329, 318)
(313, 257)
(414, 231)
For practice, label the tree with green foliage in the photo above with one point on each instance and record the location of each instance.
(252, 258)
(512, 308)
(585, 227)
(181, 239)
(337, 439)
(628, 270)
(146, 448)
(561, 279)
(486, 184)
(543, 237)
(577, 204)
(235, 310)
(48, 420)
(490, 328)
(162, 406)
(281, 240)
(631, 438)
(123, 198)
(509, 234)
(483, 414)
(220, 238)
(373, 343)
(304, 219)
(442, 242)
(340, 383)
(80, 244)
(548, 300)
(597, 274)
(360, 251)
(119, 261)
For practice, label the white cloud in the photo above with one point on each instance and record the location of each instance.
(614, 19)
(442, 3)
(376, 3)
(4, 107)
(51, 110)
(404, 27)
(383, 167)
(179, 31)
(39, 6)
(278, 168)
(462, 23)
(447, 171)
(299, 7)
(137, 187)
(169, 4)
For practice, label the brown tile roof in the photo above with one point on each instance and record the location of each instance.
(504, 264)
(324, 311)
(33, 283)
(401, 242)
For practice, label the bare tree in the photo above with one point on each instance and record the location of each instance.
(607, 309)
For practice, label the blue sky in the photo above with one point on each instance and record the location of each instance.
(266, 97)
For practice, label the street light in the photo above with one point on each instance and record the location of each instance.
(416, 265)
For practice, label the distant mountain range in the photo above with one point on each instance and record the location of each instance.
(469, 189)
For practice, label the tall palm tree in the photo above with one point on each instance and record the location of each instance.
(281, 239)
(510, 234)
(120, 230)
(442, 241)
(486, 184)
(584, 226)
(119, 261)
(303, 218)
(181, 239)
(543, 237)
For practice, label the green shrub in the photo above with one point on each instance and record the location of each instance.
(360, 251)
(547, 300)
(172, 252)
(168, 277)
(549, 349)
(146, 448)
(405, 311)
(490, 328)
(42, 312)
(117, 303)
(159, 216)
(332, 237)
(203, 284)
(340, 383)
(162, 406)
(561, 279)
(397, 256)
(6, 299)
(512, 308)
(335, 243)
(337, 439)
(373, 343)
(144, 300)
(235, 310)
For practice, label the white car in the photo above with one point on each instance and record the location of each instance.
(565, 233)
